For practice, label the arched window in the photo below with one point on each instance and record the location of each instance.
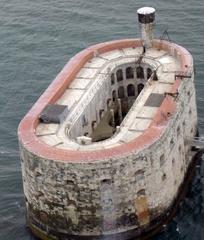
(114, 95)
(121, 92)
(140, 72)
(129, 73)
(164, 177)
(141, 193)
(139, 175)
(112, 78)
(119, 75)
(149, 73)
(140, 87)
(131, 90)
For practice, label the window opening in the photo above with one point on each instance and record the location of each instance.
(119, 75)
(140, 72)
(129, 73)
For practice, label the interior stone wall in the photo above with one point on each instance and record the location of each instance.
(104, 96)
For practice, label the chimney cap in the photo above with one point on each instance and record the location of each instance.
(146, 10)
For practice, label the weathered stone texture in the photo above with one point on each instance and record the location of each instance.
(113, 194)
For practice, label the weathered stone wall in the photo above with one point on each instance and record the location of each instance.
(111, 195)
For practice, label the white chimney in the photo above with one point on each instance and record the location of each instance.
(146, 18)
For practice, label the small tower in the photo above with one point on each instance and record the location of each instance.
(146, 18)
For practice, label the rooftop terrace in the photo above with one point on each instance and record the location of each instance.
(96, 83)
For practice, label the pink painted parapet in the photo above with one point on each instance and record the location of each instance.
(27, 127)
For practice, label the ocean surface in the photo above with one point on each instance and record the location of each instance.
(37, 38)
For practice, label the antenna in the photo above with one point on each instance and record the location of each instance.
(165, 36)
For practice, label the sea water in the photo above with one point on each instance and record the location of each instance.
(37, 38)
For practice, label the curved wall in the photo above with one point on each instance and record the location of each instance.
(114, 190)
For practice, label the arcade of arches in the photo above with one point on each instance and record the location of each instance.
(126, 84)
